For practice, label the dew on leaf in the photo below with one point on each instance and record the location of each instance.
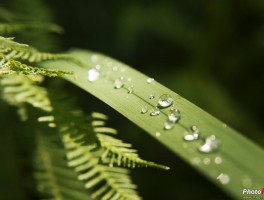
(130, 89)
(168, 125)
(144, 109)
(157, 134)
(165, 101)
(206, 161)
(93, 75)
(218, 160)
(223, 178)
(210, 145)
(119, 83)
(154, 112)
(151, 96)
(174, 116)
(192, 135)
(150, 80)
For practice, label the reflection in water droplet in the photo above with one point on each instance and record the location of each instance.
(157, 134)
(154, 112)
(130, 89)
(168, 125)
(218, 160)
(247, 182)
(151, 96)
(93, 75)
(119, 83)
(193, 134)
(144, 109)
(223, 178)
(174, 116)
(165, 101)
(150, 80)
(210, 145)
(206, 161)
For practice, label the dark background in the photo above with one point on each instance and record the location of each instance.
(210, 52)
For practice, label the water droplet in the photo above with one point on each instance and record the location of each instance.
(247, 182)
(165, 101)
(210, 145)
(119, 83)
(224, 125)
(157, 134)
(223, 178)
(206, 161)
(150, 80)
(151, 96)
(93, 75)
(154, 112)
(168, 125)
(129, 79)
(193, 134)
(196, 160)
(98, 67)
(94, 58)
(115, 68)
(218, 160)
(144, 109)
(130, 89)
(174, 116)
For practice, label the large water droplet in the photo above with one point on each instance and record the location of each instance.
(150, 80)
(192, 135)
(144, 109)
(154, 112)
(210, 145)
(165, 101)
(119, 83)
(93, 75)
(168, 125)
(223, 178)
(174, 116)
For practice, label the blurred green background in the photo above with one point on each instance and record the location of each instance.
(210, 52)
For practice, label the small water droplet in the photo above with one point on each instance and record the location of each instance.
(196, 160)
(130, 89)
(247, 182)
(119, 83)
(93, 75)
(206, 161)
(165, 101)
(223, 178)
(115, 68)
(157, 134)
(218, 160)
(98, 67)
(193, 134)
(144, 109)
(174, 116)
(154, 112)
(210, 145)
(224, 125)
(94, 58)
(150, 80)
(129, 79)
(168, 125)
(151, 96)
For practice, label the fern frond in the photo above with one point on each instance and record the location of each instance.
(116, 152)
(10, 66)
(14, 50)
(19, 89)
(55, 180)
(108, 182)
(7, 28)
